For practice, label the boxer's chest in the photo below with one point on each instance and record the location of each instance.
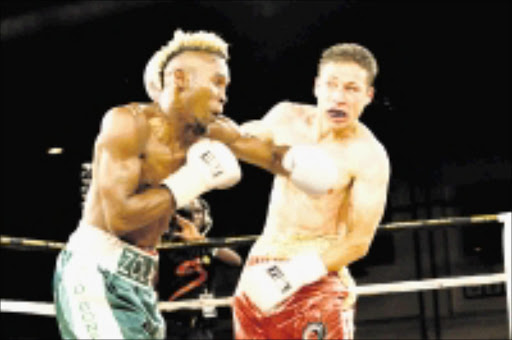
(341, 152)
(159, 160)
(343, 158)
(293, 132)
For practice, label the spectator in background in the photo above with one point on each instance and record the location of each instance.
(189, 273)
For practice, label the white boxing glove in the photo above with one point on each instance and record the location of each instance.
(311, 169)
(269, 284)
(209, 165)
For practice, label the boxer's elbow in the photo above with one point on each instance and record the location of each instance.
(122, 215)
(356, 252)
(361, 249)
(338, 257)
(117, 220)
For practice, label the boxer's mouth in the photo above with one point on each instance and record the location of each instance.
(337, 114)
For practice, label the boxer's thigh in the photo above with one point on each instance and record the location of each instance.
(317, 315)
(327, 318)
(82, 307)
(247, 324)
(134, 307)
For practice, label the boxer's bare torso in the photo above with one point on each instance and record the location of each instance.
(129, 160)
(297, 221)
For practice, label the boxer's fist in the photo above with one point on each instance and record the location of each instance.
(223, 129)
(311, 169)
(269, 284)
(209, 165)
(215, 164)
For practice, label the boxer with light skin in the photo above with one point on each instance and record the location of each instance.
(308, 237)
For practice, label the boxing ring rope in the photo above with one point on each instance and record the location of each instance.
(25, 243)
(47, 309)
(247, 239)
(44, 308)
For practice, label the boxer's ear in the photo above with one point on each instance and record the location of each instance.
(370, 94)
(180, 79)
(315, 87)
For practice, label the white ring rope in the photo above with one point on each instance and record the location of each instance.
(27, 307)
(48, 309)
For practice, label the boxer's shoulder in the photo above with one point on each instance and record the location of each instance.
(136, 110)
(364, 141)
(369, 153)
(371, 144)
(286, 111)
(295, 108)
(124, 126)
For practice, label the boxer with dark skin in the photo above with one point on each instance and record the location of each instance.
(150, 160)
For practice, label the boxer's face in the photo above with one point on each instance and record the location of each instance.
(204, 86)
(342, 93)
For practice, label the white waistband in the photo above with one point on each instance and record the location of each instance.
(113, 254)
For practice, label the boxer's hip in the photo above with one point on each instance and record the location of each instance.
(103, 288)
(91, 245)
(329, 284)
(318, 303)
(331, 281)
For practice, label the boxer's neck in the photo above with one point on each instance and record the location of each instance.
(184, 128)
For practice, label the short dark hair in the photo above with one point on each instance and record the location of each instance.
(351, 52)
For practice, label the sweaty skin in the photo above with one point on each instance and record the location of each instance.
(140, 145)
(131, 157)
(339, 225)
(297, 221)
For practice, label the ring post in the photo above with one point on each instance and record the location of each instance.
(506, 219)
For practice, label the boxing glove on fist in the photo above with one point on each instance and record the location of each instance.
(269, 284)
(311, 169)
(209, 165)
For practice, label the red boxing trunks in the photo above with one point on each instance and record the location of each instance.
(313, 312)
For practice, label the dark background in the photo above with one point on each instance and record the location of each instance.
(442, 105)
(442, 92)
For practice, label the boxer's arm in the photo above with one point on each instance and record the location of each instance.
(253, 141)
(263, 154)
(119, 173)
(367, 201)
(309, 167)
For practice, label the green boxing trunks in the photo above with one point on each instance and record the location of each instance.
(103, 288)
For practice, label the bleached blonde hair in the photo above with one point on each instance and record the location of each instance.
(182, 41)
